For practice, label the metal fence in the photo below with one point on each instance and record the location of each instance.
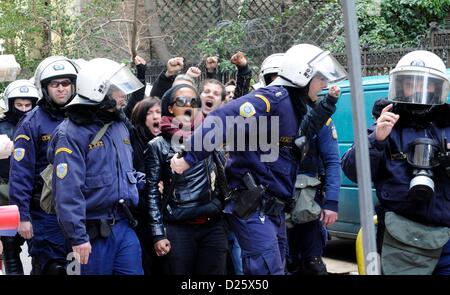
(186, 23)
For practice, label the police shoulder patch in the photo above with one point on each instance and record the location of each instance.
(63, 149)
(19, 153)
(266, 101)
(61, 170)
(23, 136)
(247, 110)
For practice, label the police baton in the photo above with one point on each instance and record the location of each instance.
(131, 220)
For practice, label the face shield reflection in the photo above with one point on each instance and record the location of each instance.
(418, 88)
(328, 67)
(124, 81)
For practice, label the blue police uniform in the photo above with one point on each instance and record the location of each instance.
(308, 239)
(88, 181)
(391, 177)
(25, 184)
(264, 250)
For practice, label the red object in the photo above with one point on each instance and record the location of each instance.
(9, 220)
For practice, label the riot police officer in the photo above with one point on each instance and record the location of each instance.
(20, 97)
(262, 182)
(318, 182)
(410, 167)
(55, 80)
(93, 177)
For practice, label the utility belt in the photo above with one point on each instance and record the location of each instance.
(249, 201)
(100, 228)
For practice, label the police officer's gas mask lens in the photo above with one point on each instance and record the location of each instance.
(416, 87)
(328, 67)
(422, 158)
(182, 101)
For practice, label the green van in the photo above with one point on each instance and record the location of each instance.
(375, 87)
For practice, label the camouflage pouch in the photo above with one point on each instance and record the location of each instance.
(305, 208)
(411, 248)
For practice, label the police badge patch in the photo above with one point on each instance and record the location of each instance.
(247, 110)
(61, 170)
(19, 153)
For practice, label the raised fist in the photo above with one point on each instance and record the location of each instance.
(194, 72)
(174, 65)
(211, 63)
(239, 59)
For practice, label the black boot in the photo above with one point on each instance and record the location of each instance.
(313, 266)
(11, 255)
(35, 267)
(54, 268)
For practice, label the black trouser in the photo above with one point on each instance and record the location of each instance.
(197, 249)
(11, 254)
(151, 263)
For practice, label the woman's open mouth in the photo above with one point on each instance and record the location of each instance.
(188, 113)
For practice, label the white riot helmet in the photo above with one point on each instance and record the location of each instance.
(270, 66)
(53, 67)
(20, 89)
(420, 78)
(99, 77)
(79, 63)
(304, 61)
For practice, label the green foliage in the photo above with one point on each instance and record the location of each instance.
(382, 24)
(33, 30)
(225, 39)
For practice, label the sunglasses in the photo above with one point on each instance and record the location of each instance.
(182, 101)
(55, 84)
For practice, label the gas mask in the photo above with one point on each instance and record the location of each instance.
(422, 157)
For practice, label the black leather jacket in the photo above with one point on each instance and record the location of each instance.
(194, 193)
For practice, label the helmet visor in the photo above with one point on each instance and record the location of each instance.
(124, 81)
(328, 67)
(415, 87)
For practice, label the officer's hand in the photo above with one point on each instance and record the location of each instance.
(239, 59)
(194, 72)
(385, 123)
(25, 230)
(211, 63)
(334, 91)
(328, 217)
(139, 60)
(83, 250)
(162, 247)
(178, 165)
(1, 248)
(174, 65)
